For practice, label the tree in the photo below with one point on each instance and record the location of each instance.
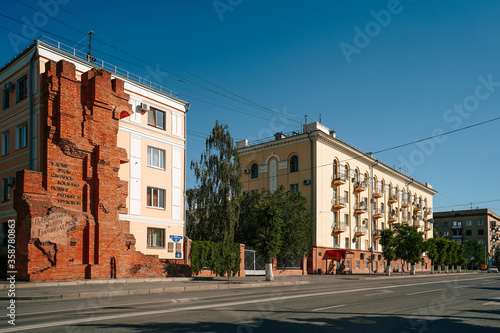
(269, 222)
(388, 247)
(442, 252)
(453, 255)
(245, 229)
(213, 206)
(431, 250)
(496, 256)
(473, 253)
(409, 244)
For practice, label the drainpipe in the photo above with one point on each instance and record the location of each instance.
(312, 190)
(32, 121)
(370, 212)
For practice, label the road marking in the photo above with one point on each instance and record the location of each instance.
(460, 287)
(488, 282)
(211, 306)
(329, 307)
(381, 293)
(494, 301)
(424, 292)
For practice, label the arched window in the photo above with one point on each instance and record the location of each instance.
(335, 168)
(254, 171)
(294, 164)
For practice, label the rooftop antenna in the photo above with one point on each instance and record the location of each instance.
(320, 118)
(305, 116)
(89, 55)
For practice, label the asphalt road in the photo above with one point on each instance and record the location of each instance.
(468, 303)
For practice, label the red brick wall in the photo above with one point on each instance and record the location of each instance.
(68, 226)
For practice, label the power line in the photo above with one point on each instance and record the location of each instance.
(469, 203)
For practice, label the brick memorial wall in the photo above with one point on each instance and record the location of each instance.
(68, 226)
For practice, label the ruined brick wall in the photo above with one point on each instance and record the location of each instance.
(68, 226)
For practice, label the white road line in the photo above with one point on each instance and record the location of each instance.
(329, 307)
(488, 282)
(460, 287)
(381, 293)
(424, 292)
(211, 306)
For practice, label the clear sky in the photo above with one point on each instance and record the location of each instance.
(380, 73)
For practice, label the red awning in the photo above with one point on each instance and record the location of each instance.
(335, 254)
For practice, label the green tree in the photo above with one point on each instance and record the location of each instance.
(474, 253)
(245, 229)
(453, 255)
(296, 234)
(388, 247)
(409, 244)
(496, 256)
(431, 250)
(442, 252)
(268, 221)
(213, 206)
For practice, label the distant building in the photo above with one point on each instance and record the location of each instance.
(66, 108)
(351, 195)
(481, 225)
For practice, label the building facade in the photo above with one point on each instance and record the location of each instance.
(151, 131)
(481, 225)
(351, 195)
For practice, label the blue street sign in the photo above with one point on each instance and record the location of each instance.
(178, 255)
(176, 239)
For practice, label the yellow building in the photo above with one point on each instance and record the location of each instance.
(154, 137)
(351, 194)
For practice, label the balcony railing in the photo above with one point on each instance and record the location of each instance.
(360, 230)
(339, 202)
(378, 213)
(393, 198)
(393, 215)
(377, 233)
(339, 226)
(418, 208)
(418, 223)
(427, 211)
(339, 179)
(456, 236)
(377, 193)
(428, 226)
(456, 226)
(405, 203)
(360, 186)
(360, 208)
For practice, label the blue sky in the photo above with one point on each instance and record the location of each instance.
(424, 67)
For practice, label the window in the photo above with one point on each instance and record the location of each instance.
(468, 223)
(21, 136)
(435, 224)
(294, 164)
(446, 233)
(5, 190)
(3, 234)
(348, 264)
(346, 218)
(457, 223)
(480, 222)
(357, 264)
(294, 188)
(383, 265)
(6, 99)
(22, 88)
(170, 246)
(156, 197)
(367, 264)
(397, 266)
(480, 232)
(5, 143)
(254, 171)
(156, 237)
(445, 224)
(468, 232)
(156, 158)
(347, 243)
(156, 118)
(375, 265)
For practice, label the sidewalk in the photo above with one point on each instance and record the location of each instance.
(121, 287)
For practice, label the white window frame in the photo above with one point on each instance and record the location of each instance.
(152, 151)
(22, 136)
(5, 143)
(151, 195)
(154, 118)
(150, 239)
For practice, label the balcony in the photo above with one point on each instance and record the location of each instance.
(418, 223)
(377, 233)
(338, 180)
(360, 209)
(418, 208)
(359, 186)
(457, 236)
(418, 217)
(405, 221)
(378, 213)
(428, 226)
(360, 230)
(339, 227)
(392, 199)
(377, 193)
(393, 216)
(427, 211)
(457, 226)
(405, 203)
(339, 203)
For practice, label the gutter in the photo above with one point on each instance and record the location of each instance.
(32, 121)
(312, 189)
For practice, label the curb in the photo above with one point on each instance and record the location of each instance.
(385, 277)
(101, 294)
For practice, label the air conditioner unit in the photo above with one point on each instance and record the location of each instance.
(144, 107)
(307, 182)
(9, 86)
(10, 181)
(246, 171)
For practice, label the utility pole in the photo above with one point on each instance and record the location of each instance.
(89, 54)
